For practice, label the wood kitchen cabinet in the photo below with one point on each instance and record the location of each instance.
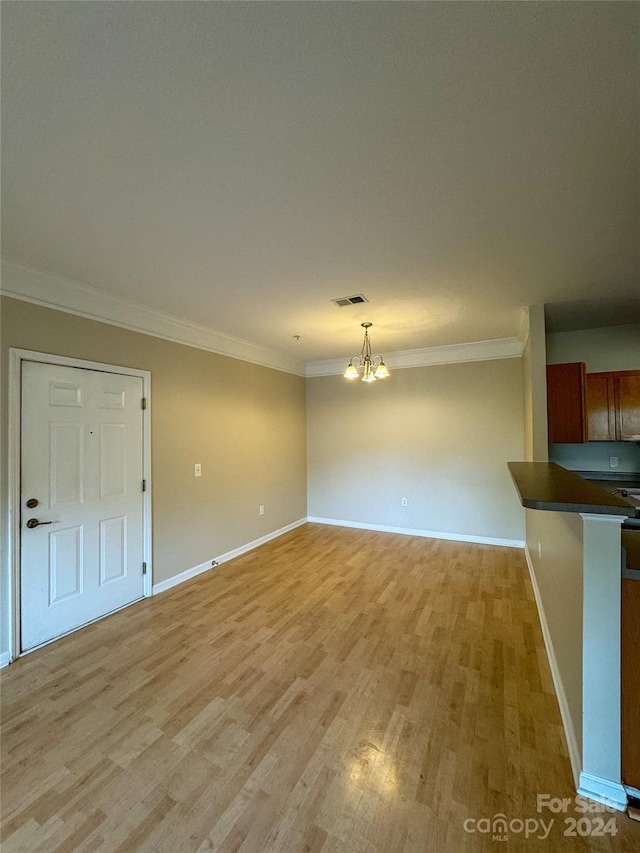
(630, 684)
(613, 406)
(626, 386)
(630, 650)
(601, 420)
(566, 411)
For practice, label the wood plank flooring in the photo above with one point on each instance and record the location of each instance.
(335, 691)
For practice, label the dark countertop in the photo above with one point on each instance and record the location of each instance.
(547, 486)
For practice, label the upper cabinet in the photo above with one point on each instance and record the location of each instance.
(613, 406)
(601, 417)
(585, 406)
(566, 411)
(627, 403)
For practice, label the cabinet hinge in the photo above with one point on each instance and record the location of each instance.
(144, 485)
(144, 402)
(144, 568)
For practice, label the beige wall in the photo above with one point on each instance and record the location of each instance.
(440, 436)
(535, 383)
(244, 423)
(527, 392)
(610, 348)
(606, 349)
(558, 573)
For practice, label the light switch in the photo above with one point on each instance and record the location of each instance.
(197, 469)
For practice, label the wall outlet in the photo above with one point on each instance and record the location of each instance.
(404, 502)
(197, 469)
(613, 462)
(261, 510)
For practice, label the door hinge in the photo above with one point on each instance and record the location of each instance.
(144, 485)
(144, 568)
(144, 402)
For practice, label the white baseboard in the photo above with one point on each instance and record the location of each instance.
(163, 586)
(223, 558)
(604, 791)
(428, 534)
(570, 733)
(5, 659)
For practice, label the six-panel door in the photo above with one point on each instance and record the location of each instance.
(82, 462)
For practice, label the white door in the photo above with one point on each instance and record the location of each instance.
(82, 469)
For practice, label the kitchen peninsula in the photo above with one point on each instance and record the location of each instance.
(547, 486)
(607, 771)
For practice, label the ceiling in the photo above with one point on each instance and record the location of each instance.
(240, 164)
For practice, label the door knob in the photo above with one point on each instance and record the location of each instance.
(32, 503)
(33, 522)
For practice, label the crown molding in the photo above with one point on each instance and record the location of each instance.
(52, 291)
(62, 294)
(451, 354)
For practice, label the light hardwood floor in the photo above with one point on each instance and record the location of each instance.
(335, 690)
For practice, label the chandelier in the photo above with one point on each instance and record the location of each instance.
(371, 368)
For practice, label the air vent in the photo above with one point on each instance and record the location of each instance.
(350, 300)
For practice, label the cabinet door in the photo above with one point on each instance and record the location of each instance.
(566, 404)
(601, 421)
(627, 405)
(630, 683)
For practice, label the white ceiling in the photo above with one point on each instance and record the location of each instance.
(241, 164)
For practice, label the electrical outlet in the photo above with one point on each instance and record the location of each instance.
(613, 462)
(197, 469)
(261, 510)
(404, 502)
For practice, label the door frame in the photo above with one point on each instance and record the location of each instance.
(16, 358)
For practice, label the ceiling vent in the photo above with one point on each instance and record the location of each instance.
(350, 300)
